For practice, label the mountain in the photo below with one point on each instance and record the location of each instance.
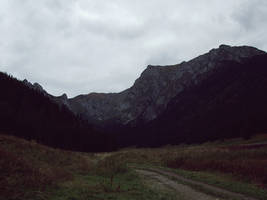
(27, 111)
(229, 102)
(157, 85)
(35, 86)
(217, 95)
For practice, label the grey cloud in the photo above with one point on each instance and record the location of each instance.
(251, 14)
(81, 46)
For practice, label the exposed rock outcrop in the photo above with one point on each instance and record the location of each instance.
(157, 85)
(35, 86)
(230, 102)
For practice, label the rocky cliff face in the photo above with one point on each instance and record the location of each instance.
(157, 85)
(35, 86)
(230, 102)
(61, 100)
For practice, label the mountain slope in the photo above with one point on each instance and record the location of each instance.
(216, 95)
(230, 102)
(157, 85)
(28, 112)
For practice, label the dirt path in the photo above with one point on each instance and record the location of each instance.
(165, 177)
(186, 192)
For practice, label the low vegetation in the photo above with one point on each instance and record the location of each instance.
(27, 168)
(35, 172)
(245, 164)
(238, 165)
(243, 160)
(32, 171)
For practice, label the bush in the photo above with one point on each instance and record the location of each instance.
(109, 168)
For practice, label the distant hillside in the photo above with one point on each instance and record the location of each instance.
(229, 102)
(154, 89)
(26, 111)
(218, 95)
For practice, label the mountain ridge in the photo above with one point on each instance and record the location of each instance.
(229, 103)
(151, 92)
(217, 95)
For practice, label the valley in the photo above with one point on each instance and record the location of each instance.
(133, 100)
(191, 131)
(186, 172)
(217, 95)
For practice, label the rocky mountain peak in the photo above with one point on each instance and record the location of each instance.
(38, 87)
(156, 86)
(26, 82)
(64, 96)
(225, 46)
(35, 86)
(234, 53)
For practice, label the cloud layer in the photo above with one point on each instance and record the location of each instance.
(81, 46)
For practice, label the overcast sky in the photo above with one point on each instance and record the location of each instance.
(82, 46)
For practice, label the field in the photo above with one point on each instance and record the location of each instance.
(32, 171)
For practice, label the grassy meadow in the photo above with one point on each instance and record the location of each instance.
(32, 171)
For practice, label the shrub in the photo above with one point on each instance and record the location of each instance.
(109, 168)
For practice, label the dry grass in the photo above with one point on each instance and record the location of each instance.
(249, 164)
(237, 157)
(28, 167)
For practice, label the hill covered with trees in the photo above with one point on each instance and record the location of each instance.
(29, 113)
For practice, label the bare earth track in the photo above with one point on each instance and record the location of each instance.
(168, 179)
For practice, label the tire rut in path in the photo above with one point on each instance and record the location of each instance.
(185, 191)
(189, 193)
